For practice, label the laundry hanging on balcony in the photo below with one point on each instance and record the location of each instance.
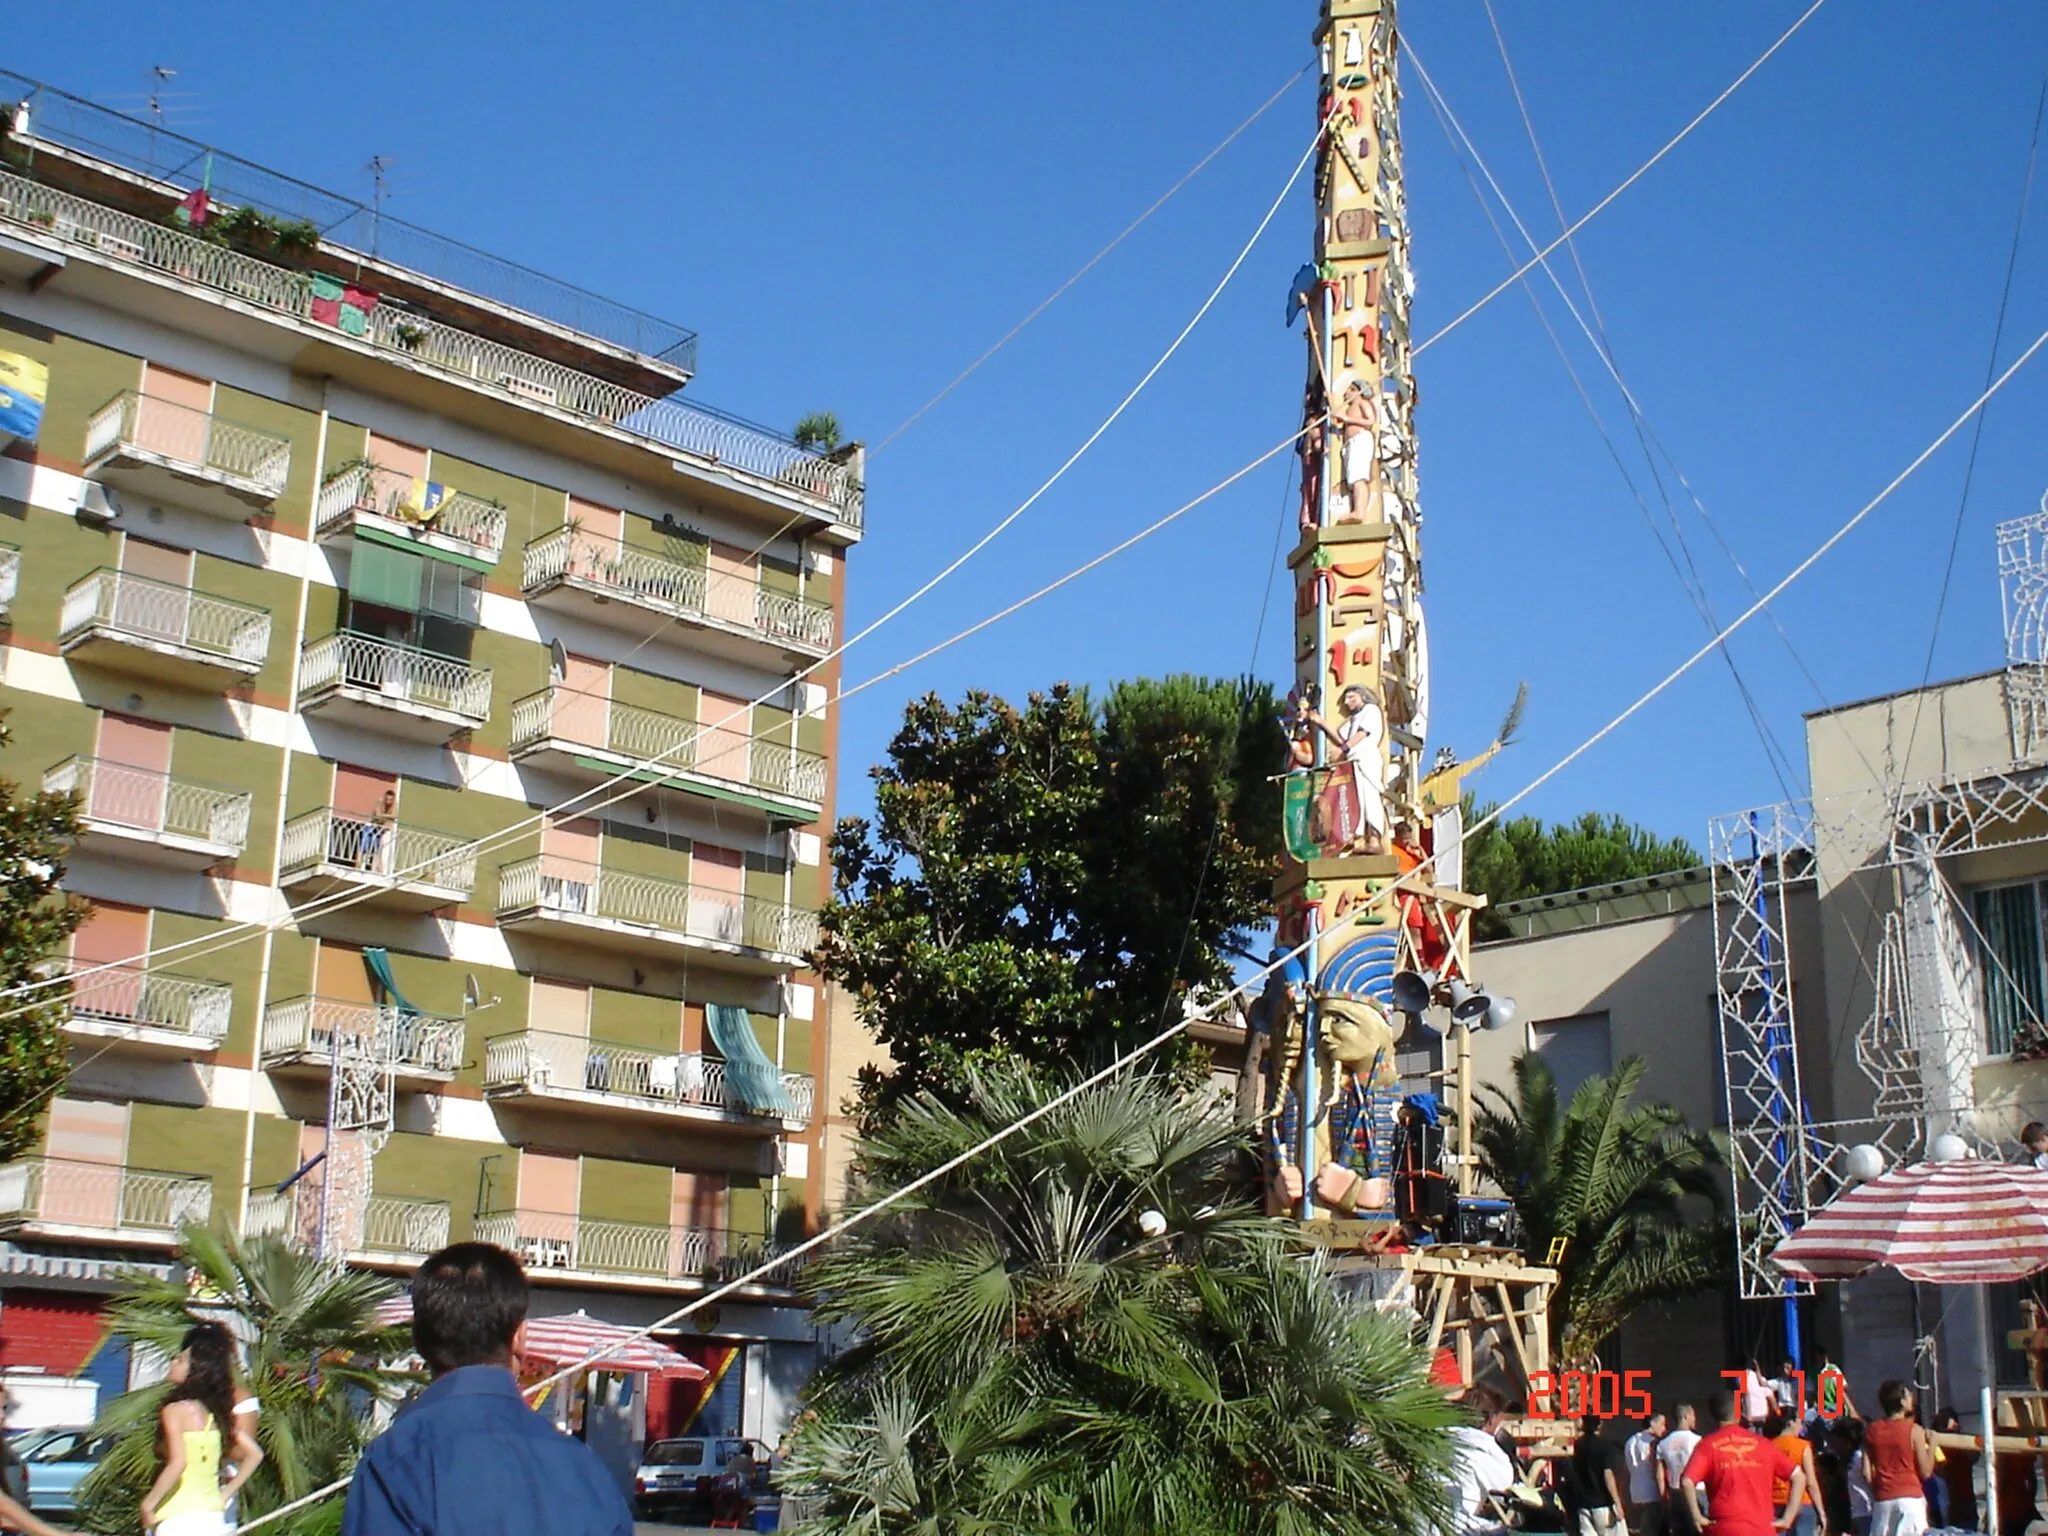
(341, 305)
(378, 963)
(749, 1075)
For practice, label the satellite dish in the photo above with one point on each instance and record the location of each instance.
(473, 998)
(558, 660)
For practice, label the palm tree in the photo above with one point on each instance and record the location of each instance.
(1636, 1195)
(1084, 1330)
(314, 1352)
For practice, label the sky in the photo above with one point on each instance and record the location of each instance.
(851, 202)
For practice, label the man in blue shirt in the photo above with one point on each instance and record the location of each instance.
(467, 1457)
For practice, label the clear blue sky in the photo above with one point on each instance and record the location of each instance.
(850, 202)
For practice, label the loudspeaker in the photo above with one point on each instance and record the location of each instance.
(1411, 992)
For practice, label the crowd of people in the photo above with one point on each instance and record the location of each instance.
(1767, 1461)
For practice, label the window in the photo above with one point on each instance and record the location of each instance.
(2008, 941)
(412, 600)
(1574, 1049)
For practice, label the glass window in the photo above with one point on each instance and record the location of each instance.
(2008, 921)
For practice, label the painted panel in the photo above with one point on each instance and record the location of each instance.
(398, 465)
(111, 935)
(362, 791)
(339, 972)
(131, 799)
(559, 1007)
(91, 1134)
(549, 1182)
(178, 427)
(722, 749)
(583, 711)
(732, 578)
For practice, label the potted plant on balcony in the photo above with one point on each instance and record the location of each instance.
(297, 240)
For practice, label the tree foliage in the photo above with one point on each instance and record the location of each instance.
(1635, 1193)
(1047, 883)
(35, 920)
(1030, 1361)
(818, 431)
(314, 1349)
(1521, 857)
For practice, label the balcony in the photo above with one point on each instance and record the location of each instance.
(580, 1248)
(192, 458)
(396, 690)
(54, 1197)
(396, 1228)
(157, 817)
(364, 497)
(612, 584)
(587, 736)
(301, 1035)
(409, 868)
(588, 904)
(150, 1013)
(10, 578)
(579, 1075)
(154, 629)
(824, 488)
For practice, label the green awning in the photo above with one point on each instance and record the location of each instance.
(399, 541)
(752, 1078)
(389, 578)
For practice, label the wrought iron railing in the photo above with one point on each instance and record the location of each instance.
(667, 422)
(559, 887)
(377, 492)
(643, 1249)
(56, 1191)
(148, 801)
(316, 1027)
(676, 582)
(141, 608)
(393, 1225)
(599, 724)
(537, 1061)
(10, 575)
(367, 846)
(137, 998)
(401, 674)
(187, 436)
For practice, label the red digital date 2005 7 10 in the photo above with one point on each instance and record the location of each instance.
(1574, 1394)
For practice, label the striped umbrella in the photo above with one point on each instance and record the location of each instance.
(1957, 1223)
(577, 1338)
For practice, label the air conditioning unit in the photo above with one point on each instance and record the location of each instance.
(96, 507)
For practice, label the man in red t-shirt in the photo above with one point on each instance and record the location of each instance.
(1735, 1467)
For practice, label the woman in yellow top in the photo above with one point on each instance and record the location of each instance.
(196, 1426)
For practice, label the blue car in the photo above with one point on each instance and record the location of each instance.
(56, 1464)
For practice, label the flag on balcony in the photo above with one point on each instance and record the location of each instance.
(192, 210)
(24, 385)
(749, 1074)
(341, 305)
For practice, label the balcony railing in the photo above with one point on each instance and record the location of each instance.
(190, 439)
(397, 673)
(594, 723)
(639, 1250)
(380, 850)
(534, 1061)
(312, 1029)
(129, 998)
(667, 423)
(394, 1226)
(146, 1203)
(368, 490)
(551, 886)
(675, 584)
(10, 576)
(144, 800)
(139, 608)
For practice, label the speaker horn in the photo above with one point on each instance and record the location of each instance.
(1411, 992)
(1500, 1014)
(1460, 994)
(1471, 1009)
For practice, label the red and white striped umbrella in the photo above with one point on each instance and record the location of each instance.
(578, 1338)
(1959, 1223)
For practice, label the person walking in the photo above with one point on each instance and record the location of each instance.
(196, 1436)
(1639, 1454)
(467, 1457)
(1597, 1472)
(1811, 1519)
(1673, 1452)
(1898, 1457)
(1736, 1468)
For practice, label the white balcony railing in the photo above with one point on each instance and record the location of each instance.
(535, 1061)
(597, 724)
(144, 800)
(669, 424)
(570, 888)
(676, 583)
(399, 673)
(10, 576)
(140, 608)
(647, 1250)
(394, 1226)
(370, 490)
(314, 1028)
(130, 997)
(378, 849)
(191, 439)
(102, 1197)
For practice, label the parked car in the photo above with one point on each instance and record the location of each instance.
(57, 1463)
(681, 1476)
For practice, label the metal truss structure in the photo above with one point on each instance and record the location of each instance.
(362, 1094)
(2023, 597)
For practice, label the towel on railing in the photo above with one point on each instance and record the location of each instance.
(749, 1075)
(379, 964)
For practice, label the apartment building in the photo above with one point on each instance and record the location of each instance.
(335, 555)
